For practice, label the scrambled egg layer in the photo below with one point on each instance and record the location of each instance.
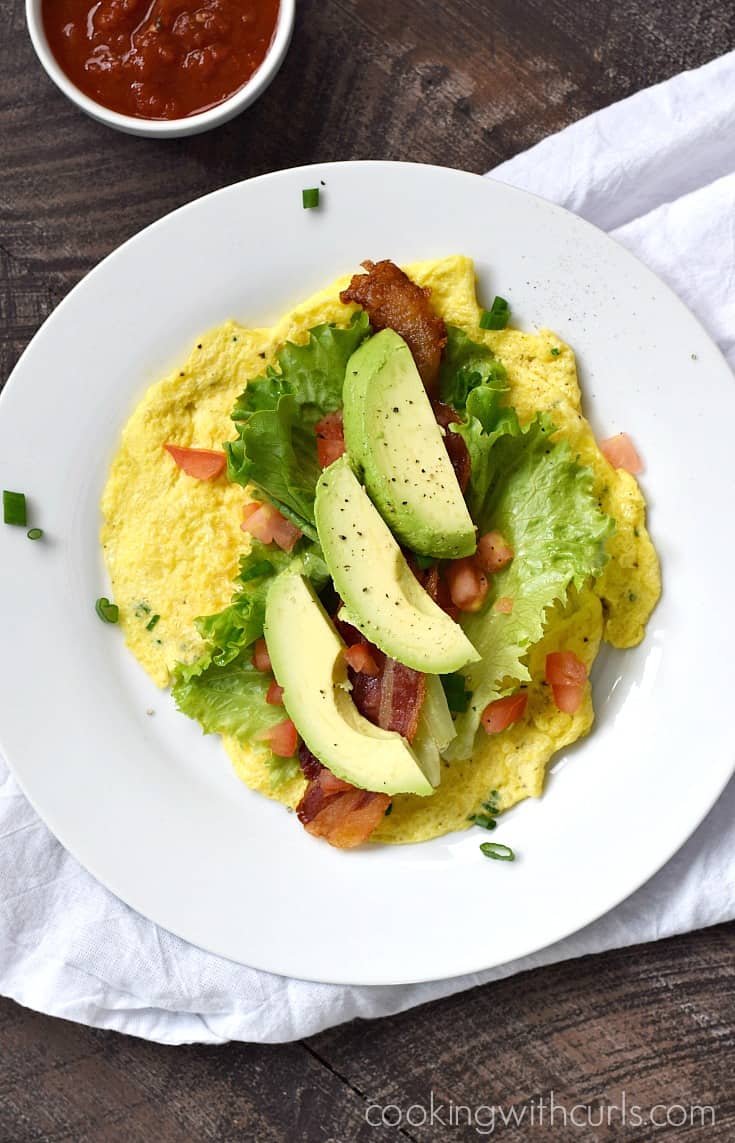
(172, 544)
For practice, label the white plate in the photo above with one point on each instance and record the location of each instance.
(150, 806)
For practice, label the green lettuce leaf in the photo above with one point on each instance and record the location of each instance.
(238, 625)
(231, 700)
(533, 491)
(487, 420)
(222, 689)
(465, 365)
(275, 450)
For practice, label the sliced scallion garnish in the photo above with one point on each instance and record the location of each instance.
(14, 508)
(497, 851)
(310, 197)
(108, 612)
(34, 533)
(497, 316)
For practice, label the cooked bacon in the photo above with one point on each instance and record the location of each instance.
(392, 698)
(453, 442)
(435, 585)
(393, 301)
(310, 765)
(330, 808)
(344, 820)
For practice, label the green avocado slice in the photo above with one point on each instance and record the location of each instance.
(308, 661)
(393, 439)
(382, 597)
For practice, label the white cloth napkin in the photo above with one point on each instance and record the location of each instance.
(658, 172)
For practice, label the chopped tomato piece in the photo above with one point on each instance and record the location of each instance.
(329, 451)
(563, 668)
(261, 658)
(331, 427)
(622, 453)
(493, 553)
(275, 694)
(359, 658)
(568, 698)
(468, 586)
(504, 604)
(201, 463)
(266, 524)
(330, 438)
(282, 738)
(504, 712)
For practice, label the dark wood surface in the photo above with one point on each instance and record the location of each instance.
(463, 84)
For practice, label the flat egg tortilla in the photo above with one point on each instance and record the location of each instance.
(172, 544)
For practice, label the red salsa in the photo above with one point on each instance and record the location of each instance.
(159, 59)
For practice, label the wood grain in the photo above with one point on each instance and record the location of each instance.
(656, 1022)
(463, 83)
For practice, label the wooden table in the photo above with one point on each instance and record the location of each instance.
(462, 83)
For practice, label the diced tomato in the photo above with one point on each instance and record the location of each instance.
(504, 605)
(568, 698)
(275, 694)
(201, 463)
(622, 453)
(493, 553)
(261, 658)
(330, 438)
(329, 451)
(331, 427)
(504, 712)
(266, 524)
(468, 586)
(564, 669)
(359, 658)
(283, 738)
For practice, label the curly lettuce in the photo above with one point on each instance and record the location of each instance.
(529, 487)
(222, 690)
(275, 450)
(466, 365)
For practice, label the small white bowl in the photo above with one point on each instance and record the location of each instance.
(167, 128)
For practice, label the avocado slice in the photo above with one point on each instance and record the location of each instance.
(393, 439)
(308, 661)
(382, 597)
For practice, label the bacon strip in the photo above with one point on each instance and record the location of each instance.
(393, 301)
(453, 442)
(330, 808)
(392, 698)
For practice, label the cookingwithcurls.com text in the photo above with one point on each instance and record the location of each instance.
(547, 1111)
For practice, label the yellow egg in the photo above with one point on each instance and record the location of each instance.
(172, 543)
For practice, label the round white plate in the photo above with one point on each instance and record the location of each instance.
(149, 805)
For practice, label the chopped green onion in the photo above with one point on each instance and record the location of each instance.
(458, 699)
(555, 351)
(497, 851)
(152, 622)
(310, 197)
(389, 811)
(35, 533)
(497, 316)
(14, 508)
(108, 612)
(424, 562)
(485, 821)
